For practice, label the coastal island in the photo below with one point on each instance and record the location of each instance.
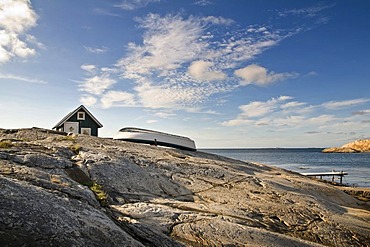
(79, 190)
(359, 146)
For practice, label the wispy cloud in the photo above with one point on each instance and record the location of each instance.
(117, 98)
(333, 105)
(256, 109)
(96, 50)
(363, 112)
(203, 2)
(286, 114)
(16, 18)
(90, 68)
(88, 100)
(21, 78)
(312, 11)
(184, 61)
(135, 4)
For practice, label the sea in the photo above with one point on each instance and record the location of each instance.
(304, 160)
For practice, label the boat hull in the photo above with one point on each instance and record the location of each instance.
(155, 138)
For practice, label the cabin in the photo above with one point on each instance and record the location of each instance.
(79, 121)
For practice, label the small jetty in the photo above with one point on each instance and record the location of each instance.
(333, 174)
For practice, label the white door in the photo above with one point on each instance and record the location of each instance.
(71, 127)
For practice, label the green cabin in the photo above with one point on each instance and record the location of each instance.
(79, 121)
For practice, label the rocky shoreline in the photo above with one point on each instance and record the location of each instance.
(79, 190)
(359, 146)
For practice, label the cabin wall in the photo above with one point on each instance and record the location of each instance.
(87, 123)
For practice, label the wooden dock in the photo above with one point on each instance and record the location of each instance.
(322, 174)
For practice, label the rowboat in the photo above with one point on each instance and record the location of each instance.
(155, 138)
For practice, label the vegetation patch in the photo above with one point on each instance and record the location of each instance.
(71, 138)
(75, 148)
(6, 144)
(100, 194)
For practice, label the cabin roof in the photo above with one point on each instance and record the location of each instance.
(81, 107)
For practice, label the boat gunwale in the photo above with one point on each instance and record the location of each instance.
(138, 130)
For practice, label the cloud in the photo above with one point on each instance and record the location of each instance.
(16, 18)
(152, 96)
(200, 70)
(134, 4)
(151, 121)
(166, 115)
(168, 42)
(308, 12)
(90, 68)
(177, 53)
(284, 114)
(88, 100)
(96, 50)
(256, 109)
(203, 2)
(21, 78)
(361, 113)
(335, 105)
(97, 84)
(117, 98)
(258, 75)
(217, 20)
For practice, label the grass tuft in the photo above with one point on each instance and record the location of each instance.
(100, 194)
(75, 148)
(6, 144)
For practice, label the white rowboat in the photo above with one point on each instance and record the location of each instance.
(155, 138)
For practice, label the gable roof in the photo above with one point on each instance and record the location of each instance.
(74, 112)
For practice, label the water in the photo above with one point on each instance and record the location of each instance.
(307, 160)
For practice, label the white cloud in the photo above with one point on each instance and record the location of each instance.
(282, 114)
(200, 70)
(96, 50)
(292, 104)
(135, 4)
(90, 68)
(310, 12)
(117, 98)
(168, 43)
(166, 115)
(362, 112)
(21, 78)
(88, 100)
(203, 2)
(255, 110)
(97, 84)
(176, 53)
(217, 20)
(152, 96)
(16, 17)
(258, 75)
(334, 105)
(151, 121)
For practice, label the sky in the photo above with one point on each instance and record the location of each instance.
(228, 74)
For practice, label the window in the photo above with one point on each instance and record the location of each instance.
(80, 116)
(86, 131)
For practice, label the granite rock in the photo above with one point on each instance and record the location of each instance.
(157, 196)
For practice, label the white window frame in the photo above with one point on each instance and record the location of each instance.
(86, 129)
(78, 115)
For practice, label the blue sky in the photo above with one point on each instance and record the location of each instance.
(225, 73)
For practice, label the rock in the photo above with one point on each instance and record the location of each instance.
(358, 146)
(115, 193)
